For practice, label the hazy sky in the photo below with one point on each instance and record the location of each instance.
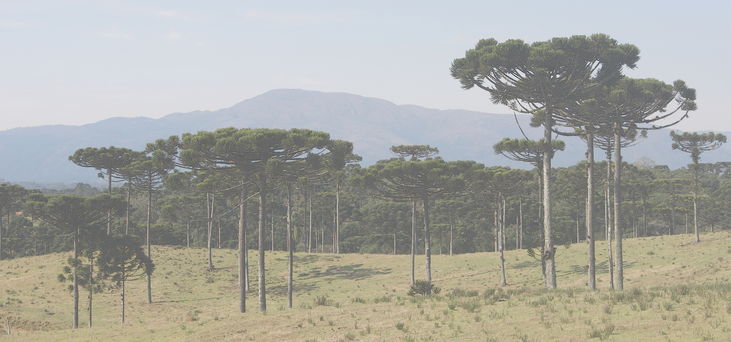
(75, 62)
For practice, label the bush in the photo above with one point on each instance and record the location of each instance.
(424, 288)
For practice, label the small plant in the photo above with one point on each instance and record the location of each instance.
(602, 333)
(401, 326)
(322, 301)
(424, 288)
(359, 300)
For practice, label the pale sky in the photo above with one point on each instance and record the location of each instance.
(76, 62)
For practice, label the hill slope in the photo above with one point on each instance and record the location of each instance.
(40, 154)
(676, 291)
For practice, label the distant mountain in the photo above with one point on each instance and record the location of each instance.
(40, 154)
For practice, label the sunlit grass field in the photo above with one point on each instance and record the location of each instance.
(675, 291)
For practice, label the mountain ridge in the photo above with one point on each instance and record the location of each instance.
(372, 124)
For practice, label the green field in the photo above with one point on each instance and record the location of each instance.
(675, 291)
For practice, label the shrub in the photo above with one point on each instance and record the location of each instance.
(424, 288)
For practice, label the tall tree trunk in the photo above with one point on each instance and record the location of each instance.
(394, 244)
(218, 241)
(290, 247)
(501, 240)
(272, 218)
(695, 202)
(122, 298)
(590, 210)
(91, 291)
(309, 212)
(520, 225)
(451, 236)
(127, 205)
(75, 280)
(337, 217)
(495, 225)
(262, 277)
(578, 238)
(413, 241)
(427, 240)
(149, 248)
(1, 235)
(109, 212)
(549, 252)
(619, 275)
(672, 220)
(322, 233)
(187, 234)
(243, 251)
(609, 218)
(210, 206)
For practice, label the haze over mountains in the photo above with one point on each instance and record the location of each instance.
(40, 154)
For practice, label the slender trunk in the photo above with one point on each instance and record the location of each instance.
(149, 248)
(322, 233)
(427, 240)
(126, 219)
(495, 224)
(262, 277)
(590, 210)
(210, 204)
(290, 247)
(121, 297)
(520, 225)
(309, 212)
(243, 251)
(272, 219)
(695, 202)
(619, 275)
(75, 280)
(451, 237)
(413, 241)
(91, 291)
(337, 217)
(1, 235)
(394, 244)
(187, 234)
(686, 223)
(218, 241)
(501, 241)
(578, 238)
(109, 212)
(608, 219)
(549, 252)
(672, 220)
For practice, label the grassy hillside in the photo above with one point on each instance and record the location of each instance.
(676, 291)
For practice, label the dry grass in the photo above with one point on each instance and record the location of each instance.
(675, 292)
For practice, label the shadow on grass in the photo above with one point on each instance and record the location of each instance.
(352, 272)
(601, 267)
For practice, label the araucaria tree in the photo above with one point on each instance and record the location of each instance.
(636, 104)
(541, 79)
(256, 153)
(695, 144)
(122, 259)
(109, 161)
(414, 152)
(341, 155)
(148, 174)
(426, 180)
(75, 216)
